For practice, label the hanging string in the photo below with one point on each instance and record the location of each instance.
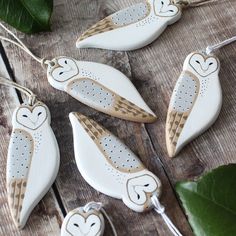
(192, 3)
(21, 45)
(29, 93)
(161, 211)
(99, 207)
(211, 49)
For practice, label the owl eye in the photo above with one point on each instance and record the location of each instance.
(25, 116)
(39, 113)
(76, 225)
(211, 63)
(162, 3)
(92, 224)
(171, 10)
(65, 61)
(146, 185)
(198, 62)
(61, 73)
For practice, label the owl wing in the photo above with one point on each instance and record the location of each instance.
(119, 19)
(116, 153)
(18, 164)
(182, 101)
(99, 97)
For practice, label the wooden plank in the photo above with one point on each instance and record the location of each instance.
(46, 217)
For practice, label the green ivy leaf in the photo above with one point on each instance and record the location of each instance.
(210, 202)
(28, 16)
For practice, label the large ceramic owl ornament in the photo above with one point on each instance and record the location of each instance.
(83, 222)
(118, 172)
(196, 101)
(100, 87)
(131, 28)
(33, 160)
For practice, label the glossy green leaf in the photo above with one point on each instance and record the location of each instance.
(28, 16)
(210, 202)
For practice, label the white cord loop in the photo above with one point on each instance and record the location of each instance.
(29, 93)
(192, 3)
(160, 209)
(211, 49)
(21, 45)
(99, 207)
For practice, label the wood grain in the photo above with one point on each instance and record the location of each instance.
(154, 71)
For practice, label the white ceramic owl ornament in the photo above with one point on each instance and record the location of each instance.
(101, 87)
(132, 28)
(33, 156)
(196, 101)
(112, 168)
(86, 221)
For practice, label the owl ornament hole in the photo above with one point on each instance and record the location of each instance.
(87, 220)
(33, 156)
(99, 86)
(135, 27)
(118, 171)
(196, 100)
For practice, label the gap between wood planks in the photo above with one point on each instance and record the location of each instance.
(12, 76)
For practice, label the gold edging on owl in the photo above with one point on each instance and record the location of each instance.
(107, 24)
(179, 119)
(122, 108)
(31, 108)
(205, 58)
(85, 215)
(171, 3)
(96, 133)
(148, 194)
(12, 186)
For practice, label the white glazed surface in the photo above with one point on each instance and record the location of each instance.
(205, 102)
(133, 29)
(112, 173)
(33, 155)
(93, 82)
(79, 223)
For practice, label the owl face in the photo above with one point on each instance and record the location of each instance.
(32, 117)
(80, 224)
(62, 69)
(203, 65)
(140, 188)
(164, 8)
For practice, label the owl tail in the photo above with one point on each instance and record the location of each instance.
(101, 27)
(94, 130)
(174, 126)
(16, 194)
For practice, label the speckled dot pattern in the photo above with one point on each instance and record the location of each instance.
(89, 92)
(121, 157)
(131, 15)
(21, 152)
(185, 93)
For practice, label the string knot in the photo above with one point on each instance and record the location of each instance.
(92, 205)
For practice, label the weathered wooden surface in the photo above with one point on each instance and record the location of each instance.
(153, 70)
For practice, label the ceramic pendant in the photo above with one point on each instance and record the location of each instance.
(33, 160)
(118, 172)
(131, 28)
(80, 222)
(196, 101)
(100, 87)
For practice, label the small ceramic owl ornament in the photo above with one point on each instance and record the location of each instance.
(118, 172)
(100, 87)
(33, 160)
(131, 28)
(196, 101)
(82, 222)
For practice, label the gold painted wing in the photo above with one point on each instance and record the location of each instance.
(18, 164)
(97, 96)
(183, 99)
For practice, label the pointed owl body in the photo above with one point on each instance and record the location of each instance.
(195, 103)
(100, 87)
(118, 172)
(131, 28)
(33, 160)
